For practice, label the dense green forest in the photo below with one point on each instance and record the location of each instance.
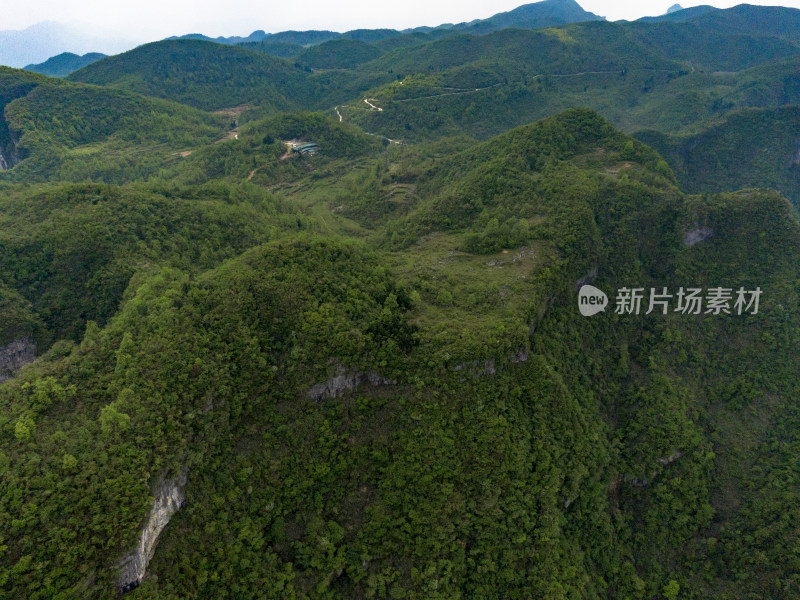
(191, 71)
(229, 369)
(65, 63)
(63, 131)
(751, 148)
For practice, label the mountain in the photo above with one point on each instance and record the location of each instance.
(707, 45)
(304, 411)
(41, 41)
(257, 36)
(57, 130)
(301, 38)
(538, 15)
(233, 369)
(64, 64)
(338, 54)
(193, 72)
(680, 14)
(751, 148)
(546, 13)
(667, 76)
(754, 20)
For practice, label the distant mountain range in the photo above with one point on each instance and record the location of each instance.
(56, 49)
(547, 13)
(678, 14)
(44, 40)
(64, 64)
(40, 42)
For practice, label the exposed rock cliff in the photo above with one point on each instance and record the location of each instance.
(14, 356)
(169, 499)
(9, 157)
(697, 235)
(345, 381)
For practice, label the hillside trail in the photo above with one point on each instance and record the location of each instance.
(373, 107)
(234, 112)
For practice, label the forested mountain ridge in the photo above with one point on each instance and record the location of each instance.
(249, 350)
(64, 64)
(191, 72)
(545, 13)
(478, 438)
(670, 77)
(57, 130)
(751, 148)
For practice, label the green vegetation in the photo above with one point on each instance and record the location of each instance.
(190, 71)
(464, 473)
(338, 54)
(752, 148)
(260, 153)
(70, 250)
(368, 363)
(72, 132)
(279, 49)
(64, 64)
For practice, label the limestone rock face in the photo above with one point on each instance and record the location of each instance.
(345, 380)
(695, 236)
(14, 356)
(8, 151)
(169, 499)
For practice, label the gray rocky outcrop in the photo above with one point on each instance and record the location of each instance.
(14, 356)
(664, 461)
(697, 235)
(477, 367)
(520, 356)
(9, 156)
(589, 278)
(168, 500)
(346, 380)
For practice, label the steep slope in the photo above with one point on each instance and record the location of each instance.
(752, 148)
(437, 420)
(70, 250)
(199, 73)
(64, 64)
(13, 84)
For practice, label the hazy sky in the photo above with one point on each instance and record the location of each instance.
(145, 20)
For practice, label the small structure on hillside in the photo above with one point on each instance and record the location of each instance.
(306, 148)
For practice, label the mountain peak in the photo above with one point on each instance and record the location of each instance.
(674, 8)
